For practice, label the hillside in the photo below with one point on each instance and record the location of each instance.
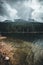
(19, 25)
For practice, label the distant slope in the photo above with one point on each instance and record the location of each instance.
(19, 24)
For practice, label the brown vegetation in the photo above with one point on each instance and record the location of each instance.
(20, 52)
(16, 55)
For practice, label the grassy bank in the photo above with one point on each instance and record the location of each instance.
(20, 52)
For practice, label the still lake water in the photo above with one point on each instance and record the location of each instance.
(36, 38)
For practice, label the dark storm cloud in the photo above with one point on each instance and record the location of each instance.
(15, 0)
(23, 12)
(16, 6)
(16, 3)
(41, 2)
(6, 11)
(24, 9)
(2, 9)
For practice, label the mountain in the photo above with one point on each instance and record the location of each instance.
(21, 21)
(7, 21)
(19, 24)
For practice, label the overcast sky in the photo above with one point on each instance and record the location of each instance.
(21, 9)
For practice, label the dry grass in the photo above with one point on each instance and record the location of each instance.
(7, 49)
(38, 54)
(16, 50)
(21, 52)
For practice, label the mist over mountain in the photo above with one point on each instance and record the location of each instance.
(21, 20)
